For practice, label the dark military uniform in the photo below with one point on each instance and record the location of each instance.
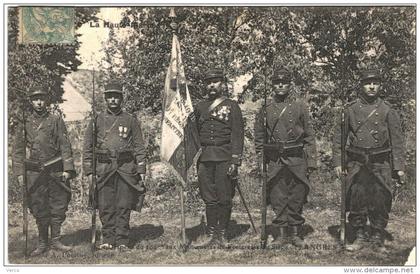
(48, 194)
(288, 126)
(121, 158)
(289, 152)
(374, 150)
(221, 135)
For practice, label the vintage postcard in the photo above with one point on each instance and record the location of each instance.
(211, 135)
(46, 25)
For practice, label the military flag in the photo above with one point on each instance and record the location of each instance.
(180, 141)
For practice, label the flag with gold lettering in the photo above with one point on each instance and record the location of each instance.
(180, 141)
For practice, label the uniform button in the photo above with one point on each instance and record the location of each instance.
(360, 139)
(359, 122)
(290, 121)
(376, 113)
(376, 141)
(211, 138)
(290, 112)
(376, 123)
(376, 131)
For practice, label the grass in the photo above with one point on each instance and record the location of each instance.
(156, 241)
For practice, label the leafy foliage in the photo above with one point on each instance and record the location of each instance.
(33, 64)
(323, 47)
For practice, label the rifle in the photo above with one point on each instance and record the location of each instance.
(343, 174)
(25, 185)
(92, 187)
(263, 177)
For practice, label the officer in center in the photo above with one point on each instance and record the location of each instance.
(221, 132)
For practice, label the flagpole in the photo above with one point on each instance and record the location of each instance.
(174, 26)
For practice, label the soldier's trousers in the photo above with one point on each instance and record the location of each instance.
(48, 203)
(216, 187)
(114, 204)
(217, 191)
(287, 197)
(368, 199)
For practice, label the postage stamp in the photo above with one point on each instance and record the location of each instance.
(46, 25)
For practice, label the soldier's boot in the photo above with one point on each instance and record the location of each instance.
(211, 216)
(42, 240)
(360, 241)
(223, 240)
(56, 239)
(377, 239)
(224, 219)
(282, 238)
(295, 238)
(211, 238)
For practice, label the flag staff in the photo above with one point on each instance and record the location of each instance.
(174, 27)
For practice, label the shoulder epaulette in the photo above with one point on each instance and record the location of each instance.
(348, 104)
(55, 116)
(388, 103)
(269, 102)
(129, 114)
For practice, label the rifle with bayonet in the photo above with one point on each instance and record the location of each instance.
(25, 184)
(92, 186)
(263, 177)
(344, 132)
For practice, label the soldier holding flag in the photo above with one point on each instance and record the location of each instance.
(221, 132)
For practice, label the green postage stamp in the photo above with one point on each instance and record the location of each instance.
(46, 25)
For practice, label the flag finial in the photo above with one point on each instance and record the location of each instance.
(172, 14)
(173, 24)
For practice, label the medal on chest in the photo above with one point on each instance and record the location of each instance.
(122, 131)
(221, 113)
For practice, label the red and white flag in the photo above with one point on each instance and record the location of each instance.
(180, 140)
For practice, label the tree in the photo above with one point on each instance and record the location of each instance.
(323, 47)
(32, 64)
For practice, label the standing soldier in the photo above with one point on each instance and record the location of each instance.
(290, 155)
(49, 166)
(120, 168)
(221, 131)
(374, 151)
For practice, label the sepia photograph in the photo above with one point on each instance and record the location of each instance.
(219, 134)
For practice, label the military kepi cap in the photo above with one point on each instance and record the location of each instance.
(370, 74)
(281, 75)
(113, 87)
(214, 74)
(37, 90)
